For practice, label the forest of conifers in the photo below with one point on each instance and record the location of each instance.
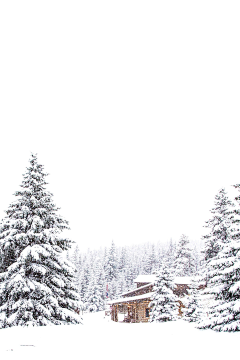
(112, 270)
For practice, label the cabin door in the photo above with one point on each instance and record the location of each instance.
(135, 314)
(132, 313)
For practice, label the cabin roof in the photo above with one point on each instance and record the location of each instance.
(136, 289)
(131, 298)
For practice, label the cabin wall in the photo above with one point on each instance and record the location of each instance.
(134, 312)
(181, 290)
(114, 313)
(141, 310)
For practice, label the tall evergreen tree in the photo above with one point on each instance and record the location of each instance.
(170, 255)
(94, 298)
(76, 260)
(102, 282)
(196, 261)
(151, 262)
(123, 259)
(36, 283)
(111, 266)
(192, 302)
(184, 262)
(164, 302)
(85, 283)
(218, 225)
(224, 271)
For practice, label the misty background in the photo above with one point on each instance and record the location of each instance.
(132, 107)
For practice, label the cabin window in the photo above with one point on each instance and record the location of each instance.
(147, 312)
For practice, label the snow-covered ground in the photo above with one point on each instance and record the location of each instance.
(100, 338)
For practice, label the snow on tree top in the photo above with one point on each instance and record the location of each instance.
(145, 279)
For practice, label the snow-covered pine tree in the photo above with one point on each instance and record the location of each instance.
(196, 261)
(223, 267)
(36, 282)
(111, 267)
(218, 225)
(129, 276)
(76, 260)
(85, 283)
(220, 228)
(151, 262)
(102, 282)
(191, 302)
(170, 255)
(122, 286)
(184, 262)
(105, 259)
(164, 306)
(123, 259)
(94, 297)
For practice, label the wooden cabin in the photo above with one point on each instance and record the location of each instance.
(132, 309)
(133, 306)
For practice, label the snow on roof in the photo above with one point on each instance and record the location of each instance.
(183, 280)
(132, 298)
(145, 279)
(136, 289)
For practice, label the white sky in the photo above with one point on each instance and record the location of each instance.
(132, 107)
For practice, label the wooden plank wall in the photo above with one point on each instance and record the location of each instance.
(134, 312)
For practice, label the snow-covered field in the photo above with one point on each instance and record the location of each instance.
(100, 338)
